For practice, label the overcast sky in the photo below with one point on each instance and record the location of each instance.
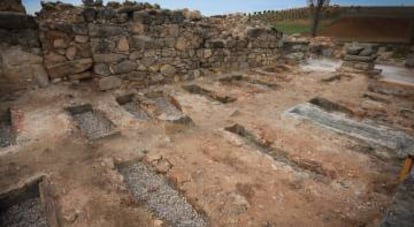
(212, 7)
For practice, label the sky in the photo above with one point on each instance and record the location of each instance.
(213, 7)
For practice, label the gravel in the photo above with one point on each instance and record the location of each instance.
(94, 124)
(160, 197)
(6, 134)
(26, 213)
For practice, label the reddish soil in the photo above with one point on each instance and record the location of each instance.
(230, 181)
(390, 30)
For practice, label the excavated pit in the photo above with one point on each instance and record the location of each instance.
(159, 196)
(239, 78)
(92, 123)
(195, 89)
(166, 108)
(23, 207)
(132, 106)
(310, 167)
(330, 106)
(7, 136)
(397, 141)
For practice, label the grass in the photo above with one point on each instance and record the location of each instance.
(298, 26)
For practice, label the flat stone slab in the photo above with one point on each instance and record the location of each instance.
(401, 213)
(160, 197)
(401, 143)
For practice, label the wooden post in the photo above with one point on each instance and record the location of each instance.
(408, 165)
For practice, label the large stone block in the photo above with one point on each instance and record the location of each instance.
(109, 83)
(102, 45)
(124, 67)
(168, 70)
(141, 42)
(69, 68)
(109, 58)
(104, 30)
(101, 69)
(17, 57)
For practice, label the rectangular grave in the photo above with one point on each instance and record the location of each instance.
(240, 78)
(311, 167)
(401, 143)
(132, 106)
(166, 108)
(23, 206)
(330, 106)
(195, 89)
(159, 196)
(7, 134)
(92, 123)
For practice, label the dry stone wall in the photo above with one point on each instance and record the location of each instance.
(147, 45)
(21, 59)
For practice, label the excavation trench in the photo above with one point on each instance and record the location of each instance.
(7, 135)
(397, 141)
(310, 167)
(240, 78)
(132, 106)
(330, 106)
(195, 89)
(92, 123)
(29, 205)
(159, 196)
(166, 108)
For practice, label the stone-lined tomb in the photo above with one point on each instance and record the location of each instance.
(92, 123)
(195, 89)
(132, 105)
(28, 205)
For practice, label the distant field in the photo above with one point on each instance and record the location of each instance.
(298, 26)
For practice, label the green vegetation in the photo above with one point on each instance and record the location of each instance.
(298, 26)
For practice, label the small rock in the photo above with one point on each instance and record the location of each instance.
(81, 39)
(168, 70)
(124, 67)
(123, 44)
(101, 69)
(40, 75)
(60, 43)
(71, 53)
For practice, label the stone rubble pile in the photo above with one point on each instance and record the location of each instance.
(360, 57)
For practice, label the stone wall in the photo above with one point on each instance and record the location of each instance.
(21, 59)
(12, 6)
(147, 45)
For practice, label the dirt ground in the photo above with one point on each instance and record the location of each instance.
(385, 30)
(226, 179)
